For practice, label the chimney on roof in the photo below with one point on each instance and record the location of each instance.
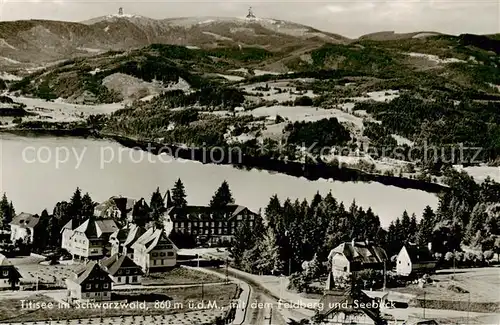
(120, 11)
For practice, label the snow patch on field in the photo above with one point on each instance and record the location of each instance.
(434, 58)
(384, 95)
(402, 140)
(130, 87)
(230, 77)
(218, 37)
(423, 35)
(9, 77)
(192, 47)
(279, 91)
(263, 73)
(244, 70)
(497, 87)
(60, 111)
(480, 173)
(96, 70)
(3, 43)
(10, 60)
(378, 96)
(89, 50)
(303, 113)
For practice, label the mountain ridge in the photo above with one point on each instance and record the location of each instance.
(36, 42)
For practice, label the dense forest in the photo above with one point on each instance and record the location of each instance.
(468, 216)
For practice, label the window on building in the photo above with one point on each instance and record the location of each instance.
(127, 271)
(106, 286)
(96, 286)
(88, 286)
(155, 254)
(154, 262)
(170, 254)
(134, 278)
(213, 224)
(162, 254)
(5, 272)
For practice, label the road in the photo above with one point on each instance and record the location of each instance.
(264, 304)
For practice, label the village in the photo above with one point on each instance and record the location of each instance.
(113, 265)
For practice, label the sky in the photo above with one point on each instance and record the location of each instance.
(349, 18)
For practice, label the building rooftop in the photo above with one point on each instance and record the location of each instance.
(95, 228)
(363, 252)
(419, 254)
(116, 262)
(192, 212)
(25, 220)
(85, 271)
(153, 237)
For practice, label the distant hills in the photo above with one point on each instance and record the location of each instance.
(35, 42)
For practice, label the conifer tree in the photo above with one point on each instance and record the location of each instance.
(222, 196)
(179, 195)
(87, 206)
(157, 206)
(6, 212)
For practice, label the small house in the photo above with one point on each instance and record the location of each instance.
(117, 208)
(90, 240)
(9, 275)
(123, 239)
(356, 256)
(90, 282)
(23, 226)
(415, 260)
(154, 251)
(122, 269)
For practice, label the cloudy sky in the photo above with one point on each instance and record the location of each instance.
(349, 18)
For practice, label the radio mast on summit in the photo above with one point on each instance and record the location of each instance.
(250, 14)
(120, 11)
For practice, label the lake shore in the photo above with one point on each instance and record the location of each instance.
(227, 156)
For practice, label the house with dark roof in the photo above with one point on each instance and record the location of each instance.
(349, 306)
(90, 240)
(122, 240)
(154, 251)
(116, 207)
(9, 275)
(91, 282)
(218, 225)
(356, 256)
(415, 260)
(23, 226)
(122, 269)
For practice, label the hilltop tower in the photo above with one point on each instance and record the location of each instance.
(250, 14)
(120, 11)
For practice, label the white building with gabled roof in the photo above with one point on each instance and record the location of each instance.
(154, 251)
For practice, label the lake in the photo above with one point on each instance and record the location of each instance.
(38, 172)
